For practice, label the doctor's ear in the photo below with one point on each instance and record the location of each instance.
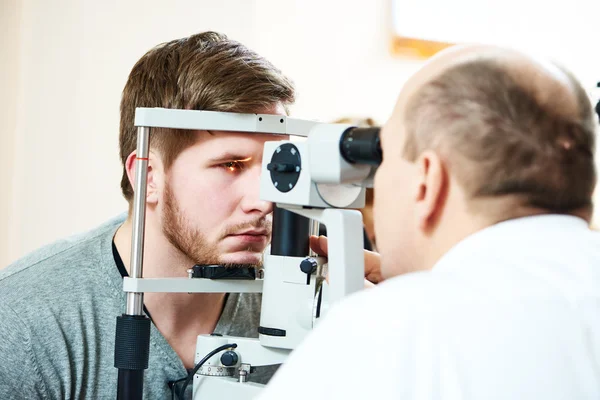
(432, 190)
(155, 177)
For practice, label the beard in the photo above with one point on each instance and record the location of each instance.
(191, 242)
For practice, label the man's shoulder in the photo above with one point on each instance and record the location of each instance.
(63, 259)
(58, 309)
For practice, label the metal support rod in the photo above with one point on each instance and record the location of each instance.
(132, 337)
(135, 301)
(313, 231)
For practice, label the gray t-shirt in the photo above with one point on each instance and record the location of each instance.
(58, 309)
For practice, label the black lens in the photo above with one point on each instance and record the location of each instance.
(361, 146)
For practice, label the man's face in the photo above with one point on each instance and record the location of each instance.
(211, 210)
(395, 223)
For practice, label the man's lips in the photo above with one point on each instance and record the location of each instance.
(255, 232)
(252, 236)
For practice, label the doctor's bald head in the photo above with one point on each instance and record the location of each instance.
(508, 128)
(490, 133)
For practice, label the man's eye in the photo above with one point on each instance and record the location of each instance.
(233, 166)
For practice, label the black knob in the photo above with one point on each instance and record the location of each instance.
(282, 167)
(308, 265)
(285, 167)
(229, 358)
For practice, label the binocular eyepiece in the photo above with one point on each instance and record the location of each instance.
(361, 146)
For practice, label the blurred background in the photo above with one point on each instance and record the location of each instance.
(64, 63)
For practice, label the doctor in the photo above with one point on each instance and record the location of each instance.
(482, 211)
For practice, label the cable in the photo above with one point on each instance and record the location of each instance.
(173, 387)
(200, 363)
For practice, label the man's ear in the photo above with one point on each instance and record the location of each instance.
(432, 190)
(155, 177)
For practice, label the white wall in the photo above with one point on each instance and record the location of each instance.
(10, 13)
(338, 53)
(71, 59)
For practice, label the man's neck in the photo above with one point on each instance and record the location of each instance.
(180, 317)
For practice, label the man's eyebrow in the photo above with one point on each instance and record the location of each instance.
(229, 157)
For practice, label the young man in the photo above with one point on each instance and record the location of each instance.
(482, 211)
(60, 303)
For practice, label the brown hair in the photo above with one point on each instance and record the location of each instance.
(504, 133)
(206, 71)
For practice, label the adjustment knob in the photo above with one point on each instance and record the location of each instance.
(308, 265)
(281, 167)
(229, 358)
(285, 167)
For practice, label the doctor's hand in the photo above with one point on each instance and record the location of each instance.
(372, 260)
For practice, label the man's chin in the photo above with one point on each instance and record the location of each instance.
(242, 258)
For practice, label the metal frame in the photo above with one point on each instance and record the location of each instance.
(222, 121)
(146, 118)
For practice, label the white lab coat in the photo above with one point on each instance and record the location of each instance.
(511, 312)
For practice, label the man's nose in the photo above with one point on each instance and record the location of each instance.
(251, 202)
